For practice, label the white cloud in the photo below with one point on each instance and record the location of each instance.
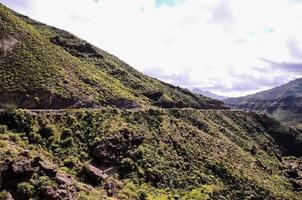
(210, 43)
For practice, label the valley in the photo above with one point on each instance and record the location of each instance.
(79, 123)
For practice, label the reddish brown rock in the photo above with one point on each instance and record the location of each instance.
(48, 193)
(110, 188)
(94, 174)
(45, 166)
(63, 178)
(22, 167)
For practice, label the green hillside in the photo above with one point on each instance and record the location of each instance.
(152, 154)
(44, 67)
(143, 139)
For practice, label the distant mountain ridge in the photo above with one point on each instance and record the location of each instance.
(283, 102)
(208, 94)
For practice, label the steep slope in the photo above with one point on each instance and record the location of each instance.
(283, 103)
(44, 67)
(152, 154)
(118, 153)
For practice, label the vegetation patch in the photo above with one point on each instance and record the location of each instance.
(151, 154)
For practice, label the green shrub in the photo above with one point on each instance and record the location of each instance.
(37, 139)
(46, 131)
(46, 181)
(68, 142)
(70, 162)
(66, 133)
(127, 165)
(25, 190)
(83, 155)
(17, 120)
(3, 144)
(143, 196)
(3, 128)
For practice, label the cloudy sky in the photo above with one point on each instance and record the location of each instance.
(230, 47)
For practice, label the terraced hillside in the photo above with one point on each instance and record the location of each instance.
(151, 154)
(44, 67)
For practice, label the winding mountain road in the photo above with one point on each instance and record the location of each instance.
(104, 108)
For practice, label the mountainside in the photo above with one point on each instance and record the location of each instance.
(152, 154)
(283, 103)
(208, 94)
(173, 145)
(44, 67)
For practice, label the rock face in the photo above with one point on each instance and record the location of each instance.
(48, 193)
(94, 174)
(21, 168)
(7, 45)
(15, 172)
(39, 100)
(110, 188)
(294, 172)
(283, 103)
(79, 49)
(63, 178)
(48, 168)
(115, 147)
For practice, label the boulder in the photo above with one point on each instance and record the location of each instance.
(48, 193)
(94, 174)
(14, 172)
(63, 178)
(294, 172)
(110, 188)
(22, 168)
(7, 45)
(45, 166)
(110, 149)
(64, 194)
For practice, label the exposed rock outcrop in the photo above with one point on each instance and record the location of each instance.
(7, 45)
(49, 193)
(294, 172)
(94, 174)
(111, 149)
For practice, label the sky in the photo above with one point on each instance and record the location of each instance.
(230, 47)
